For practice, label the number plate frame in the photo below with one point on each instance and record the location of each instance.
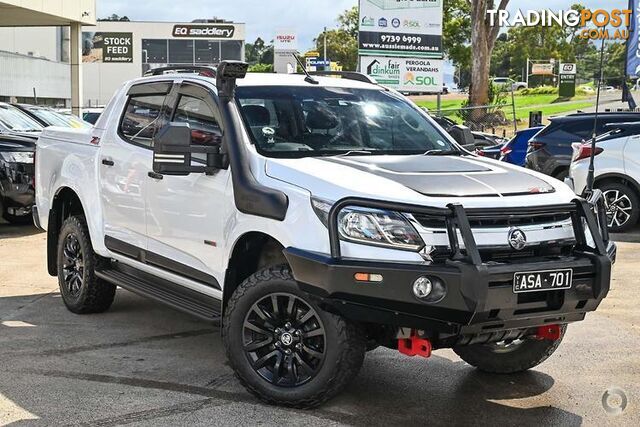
(546, 275)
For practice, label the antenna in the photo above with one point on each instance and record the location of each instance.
(591, 174)
(307, 79)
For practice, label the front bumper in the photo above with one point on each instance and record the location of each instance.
(479, 298)
(16, 187)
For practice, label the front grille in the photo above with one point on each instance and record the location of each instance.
(497, 221)
(508, 255)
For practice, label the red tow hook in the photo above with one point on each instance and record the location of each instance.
(549, 332)
(415, 346)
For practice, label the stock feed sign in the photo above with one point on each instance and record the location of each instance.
(405, 74)
(107, 47)
(401, 28)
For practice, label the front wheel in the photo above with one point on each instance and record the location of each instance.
(509, 357)
(283, 347)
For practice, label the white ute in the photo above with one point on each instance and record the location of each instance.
(315, 218)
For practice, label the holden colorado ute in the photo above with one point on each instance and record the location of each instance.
(315, 219)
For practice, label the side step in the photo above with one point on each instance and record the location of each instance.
(147, 285)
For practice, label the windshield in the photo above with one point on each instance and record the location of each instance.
(291, 121)
(54, 118)
(17, 121)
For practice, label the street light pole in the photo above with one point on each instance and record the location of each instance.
(325, 44)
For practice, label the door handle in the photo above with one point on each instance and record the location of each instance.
(155, 175)
(107, 162)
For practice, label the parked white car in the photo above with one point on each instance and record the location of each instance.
(315, 218)
(507, 84)
(617, 173)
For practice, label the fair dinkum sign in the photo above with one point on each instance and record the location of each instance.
(405, 74)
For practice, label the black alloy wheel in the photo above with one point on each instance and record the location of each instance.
(73, 265)
(284, 340)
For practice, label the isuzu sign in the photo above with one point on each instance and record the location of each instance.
(214, 31)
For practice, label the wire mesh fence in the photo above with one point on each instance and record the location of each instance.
(499, 119)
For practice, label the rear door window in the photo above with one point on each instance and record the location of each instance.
(141, 118)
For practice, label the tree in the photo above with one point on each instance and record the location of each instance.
(342, 42)
(456, 36)
(483, 38)
(341, 47)
(259, 52)
(115, 17)
(349, 21)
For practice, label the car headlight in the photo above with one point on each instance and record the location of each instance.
(372, 226)
(17, 156)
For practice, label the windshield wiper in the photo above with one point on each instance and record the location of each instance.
(442, 153)
(354, 153)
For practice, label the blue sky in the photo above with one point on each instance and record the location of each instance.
(263, 16)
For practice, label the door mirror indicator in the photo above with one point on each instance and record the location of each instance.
(173, 149)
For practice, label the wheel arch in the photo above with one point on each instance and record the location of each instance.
(66, 203)
(252, 251)
(619, 178)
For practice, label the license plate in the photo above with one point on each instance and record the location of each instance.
(549, 280)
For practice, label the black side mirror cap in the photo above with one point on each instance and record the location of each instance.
(173, 149)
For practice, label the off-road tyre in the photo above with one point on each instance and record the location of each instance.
(343, 353)
(530, 353)
(91, 295)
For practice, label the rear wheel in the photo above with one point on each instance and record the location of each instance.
(283, 347)
(82, 292)
(622, 206)
(509, 357)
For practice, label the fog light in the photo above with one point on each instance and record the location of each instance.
(429, 289)
(422, 287)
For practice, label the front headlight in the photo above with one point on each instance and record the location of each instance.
(372, 227)
(17, 156)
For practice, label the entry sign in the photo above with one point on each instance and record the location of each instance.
(567, 87)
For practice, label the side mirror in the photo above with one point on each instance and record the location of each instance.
(171, 149)
(172, 152)
(462, 135)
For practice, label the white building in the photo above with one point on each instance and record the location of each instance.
(112, 52)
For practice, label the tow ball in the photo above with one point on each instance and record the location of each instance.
(414, 346)
(549, 332)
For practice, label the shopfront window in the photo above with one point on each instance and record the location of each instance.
(207, 51)
(163, 52)
(232, 49)
(154, 51)
(181, 51)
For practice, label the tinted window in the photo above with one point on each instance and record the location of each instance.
(140, 120)
(181, 51)
(154, 51)
(205, 129)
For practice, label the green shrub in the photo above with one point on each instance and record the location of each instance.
(261, 68)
